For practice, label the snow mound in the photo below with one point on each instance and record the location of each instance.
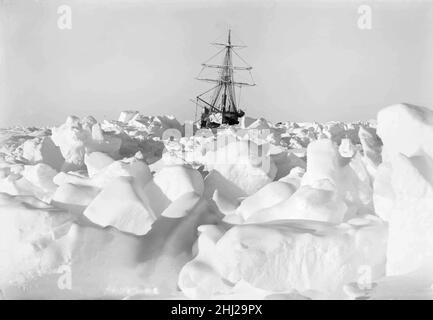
(243, 163)
(307, 203)
(126, 116)
(267, 197)
(155, 126)
(96, 161)
(346, 177)
(119, 206)
(122, 168)
(416, 136)
(324, 163)
(27, 227)
(224, 192)
(176, 180)
(246, 121)
(285, 161)
(260, 124)
(308, 257)
(335, 131)
(372, 149)
(41, 175)
(403, 189)
(43, 150)
(73, 197)
(76, 137)
(346, 148)
(29, 180)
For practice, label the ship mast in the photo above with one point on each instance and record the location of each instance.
(221, 107)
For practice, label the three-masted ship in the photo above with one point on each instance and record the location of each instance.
(219, 105)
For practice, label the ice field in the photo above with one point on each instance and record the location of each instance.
(145, 207)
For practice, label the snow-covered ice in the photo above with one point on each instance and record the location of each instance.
(145, 206)
(307, 257)
(404, 187)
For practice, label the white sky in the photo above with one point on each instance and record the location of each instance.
(311, 61)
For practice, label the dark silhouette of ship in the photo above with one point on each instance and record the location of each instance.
(218, 104)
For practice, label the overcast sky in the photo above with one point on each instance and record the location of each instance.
(310, 59)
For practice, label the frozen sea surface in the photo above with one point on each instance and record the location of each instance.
(145, 207)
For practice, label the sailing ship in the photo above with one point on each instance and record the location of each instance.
(218, 104)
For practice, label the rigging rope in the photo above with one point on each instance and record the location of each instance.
(215, 55)
(241, 58)
(239, 97)
(249, 71)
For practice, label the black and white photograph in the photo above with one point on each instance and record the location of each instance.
(234, 151)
